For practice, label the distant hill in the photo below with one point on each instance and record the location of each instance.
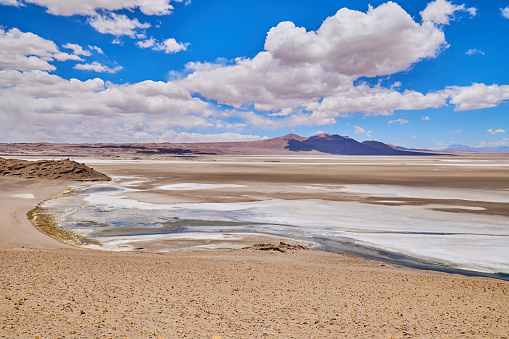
(336, 144)
(323, 143)
(464, 148)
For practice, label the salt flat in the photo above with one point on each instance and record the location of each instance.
(456, 218)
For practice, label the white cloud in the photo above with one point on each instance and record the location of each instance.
(146, 43)
(236, 125)
(474, 51)
(184, 137)
(118, 25)
(385, 40)
(74, 110)
(264, 81)
(441, 11)
(477, 96)
(98, 49)
(97, 67)
(363, 98)
(100, 12)
(39, 84)
(27, 51)
(316, 70)
(399, 121)
(359, 130)
(505, 12)
(90, 7)
(117, 41)
(11, 2)
(77, 49)
(425, 118)
(491, 131)
(51, 93)
(302, 78)
(170, 46)
(282, 113)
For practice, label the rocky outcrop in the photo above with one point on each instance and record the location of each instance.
(281, 247)
(49, 169)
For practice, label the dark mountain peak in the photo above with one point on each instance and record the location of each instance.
(322, 135)
(291, 136)
(328, 137)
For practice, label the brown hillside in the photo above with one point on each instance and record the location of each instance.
(49, 169)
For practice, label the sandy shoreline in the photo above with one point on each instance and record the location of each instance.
(50, 289)
(17, 197)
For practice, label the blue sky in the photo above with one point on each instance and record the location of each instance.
(424, 74)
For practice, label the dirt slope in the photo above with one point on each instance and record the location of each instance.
(49, 169)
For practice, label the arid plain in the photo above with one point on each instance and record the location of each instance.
(203, 284)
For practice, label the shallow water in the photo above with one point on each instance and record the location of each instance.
(413, 234)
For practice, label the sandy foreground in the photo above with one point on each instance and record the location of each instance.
(51, 290)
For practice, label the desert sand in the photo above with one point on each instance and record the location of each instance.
(50, 290)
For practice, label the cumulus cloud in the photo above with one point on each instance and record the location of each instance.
(385, 40)
(184, 137)
(169, 46)
(97, 67)
(118, 25)
(399, 121)
(505, 12)
(474, 51)
(58, 107)
(28, 51)
(51, 93)
(301, 78)
(491, 131)
(425, 118)
(477, 96)
(90, 7)
(146, 43)
(77, 49)
(101, 13)
(316, 70)
(442, 11)
(364, 98)
(264, 81)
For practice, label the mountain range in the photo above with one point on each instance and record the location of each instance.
(464, 148)
(323, 143)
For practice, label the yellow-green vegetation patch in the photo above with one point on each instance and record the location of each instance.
(46, 223)
(91, 223)
(63, 194)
